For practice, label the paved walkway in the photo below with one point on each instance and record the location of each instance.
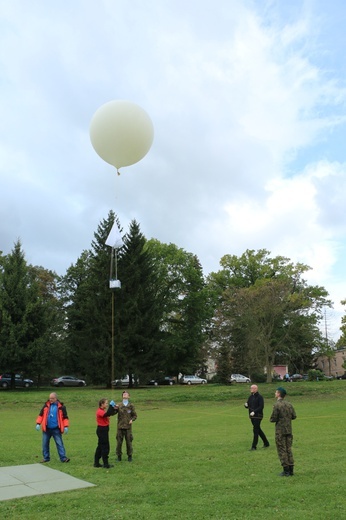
(35, 479)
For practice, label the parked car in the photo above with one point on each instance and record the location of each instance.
(342, 377)
(192, 380)
(68, 381)
(124, 381)
(296, 377)
(162, 381)
(239, 378)
(19, 381)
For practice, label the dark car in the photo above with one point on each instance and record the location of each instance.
(19, 381)
(342, 377)
(162, 381)
(68, 381)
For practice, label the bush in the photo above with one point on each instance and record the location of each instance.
(258, 377)
(215, 379)
(315, 375)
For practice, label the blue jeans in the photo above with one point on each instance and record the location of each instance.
(56, 434)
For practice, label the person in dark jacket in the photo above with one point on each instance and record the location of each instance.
(283, 414)
(54, 421)
(126, 415)
(102, 431)
(255, 405)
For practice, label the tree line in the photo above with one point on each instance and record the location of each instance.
(166, 319)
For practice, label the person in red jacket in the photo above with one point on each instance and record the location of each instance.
(54, 421)
(102, 431)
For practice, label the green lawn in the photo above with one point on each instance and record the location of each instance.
(191, 455)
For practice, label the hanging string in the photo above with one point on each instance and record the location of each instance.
(114, 264)
(111, 267)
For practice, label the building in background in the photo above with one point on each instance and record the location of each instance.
(332, 365)
(279, 371)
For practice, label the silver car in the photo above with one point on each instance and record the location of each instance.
(68, 381)
(238, 378)
(192, 380)
(125, 381)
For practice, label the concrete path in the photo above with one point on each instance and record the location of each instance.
(35, 479)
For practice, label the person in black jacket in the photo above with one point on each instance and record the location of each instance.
(255, 405)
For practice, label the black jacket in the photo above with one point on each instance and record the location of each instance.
(256, 404)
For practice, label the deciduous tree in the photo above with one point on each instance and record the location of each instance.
(266, 310)
(185, 309)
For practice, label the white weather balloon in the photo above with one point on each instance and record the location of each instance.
(121, 133)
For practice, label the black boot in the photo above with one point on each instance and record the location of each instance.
(285, 472)
(106, 463)
(291, 470)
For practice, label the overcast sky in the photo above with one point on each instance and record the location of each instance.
(247, 99)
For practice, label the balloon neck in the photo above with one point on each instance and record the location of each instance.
(118, 172)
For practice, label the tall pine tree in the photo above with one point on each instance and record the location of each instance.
(87, 298)
(138, 307)
(27, 313)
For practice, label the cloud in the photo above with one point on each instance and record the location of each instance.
(245, 111)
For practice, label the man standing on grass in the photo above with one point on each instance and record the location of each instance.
(54, 421)
(283, 414)
(126, 415)
(255, 405)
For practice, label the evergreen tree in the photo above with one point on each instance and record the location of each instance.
(49, 324)
(87, 301)
(27, 313)
(138, 308)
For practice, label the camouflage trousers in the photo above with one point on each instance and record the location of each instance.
(122, 434)
(284, 447)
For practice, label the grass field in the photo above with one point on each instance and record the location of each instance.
(191, 455)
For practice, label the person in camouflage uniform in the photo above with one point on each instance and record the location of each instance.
(126, 415)
(282, 415)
